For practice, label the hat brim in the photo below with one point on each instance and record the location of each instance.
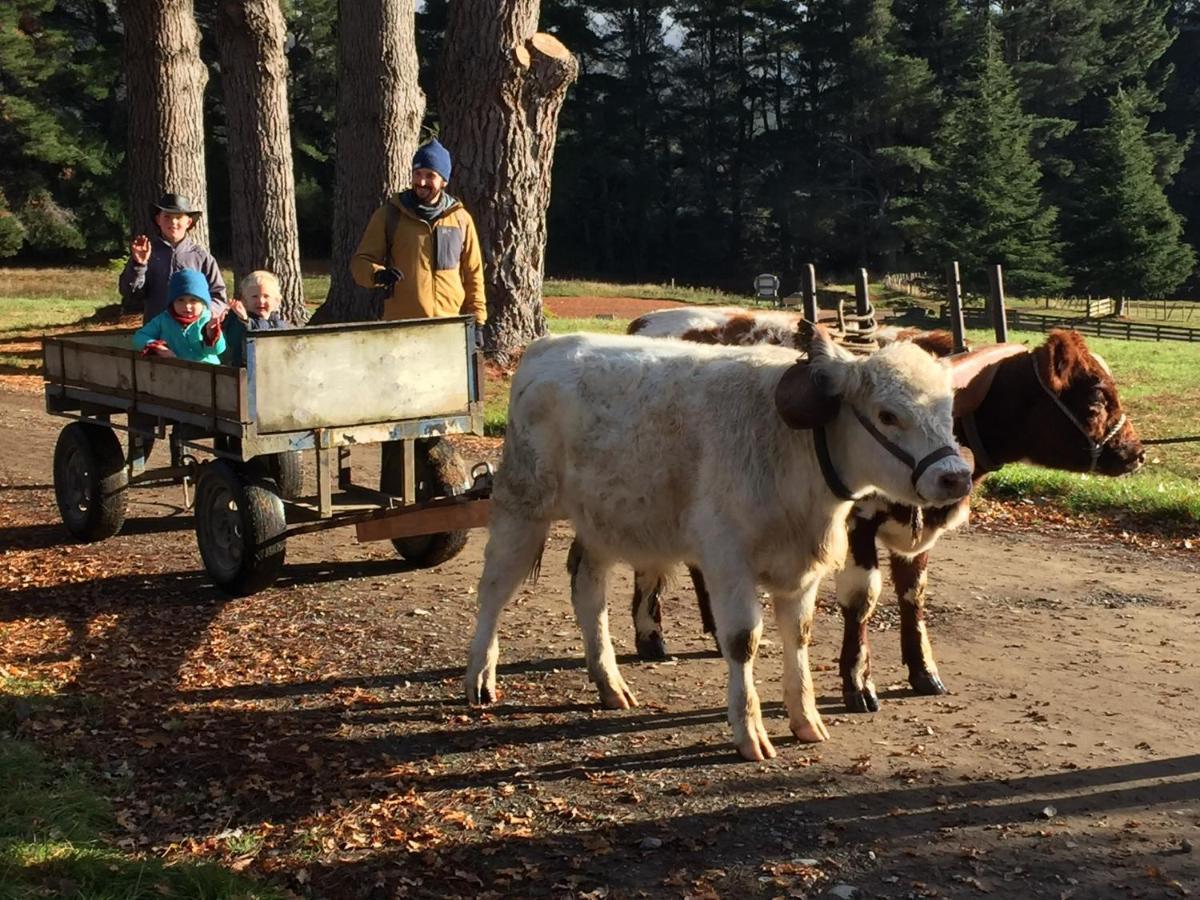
(194, 213)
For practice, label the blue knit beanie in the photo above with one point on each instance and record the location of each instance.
(188, 281)
(433, 156)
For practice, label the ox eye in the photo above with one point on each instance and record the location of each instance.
(889, 418)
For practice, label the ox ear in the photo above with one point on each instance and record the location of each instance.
(1062, 353)
(802, 399)
(972, 374)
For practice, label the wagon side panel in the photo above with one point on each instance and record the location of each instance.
(345, 377)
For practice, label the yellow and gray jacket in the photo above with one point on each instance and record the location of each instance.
(440, 259)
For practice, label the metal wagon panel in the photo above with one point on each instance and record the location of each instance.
(339, 376)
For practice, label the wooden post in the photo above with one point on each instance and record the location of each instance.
(999, 317)
(954, 295)
(862, 300)
(808, 290)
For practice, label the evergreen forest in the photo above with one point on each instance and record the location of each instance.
(707, 141)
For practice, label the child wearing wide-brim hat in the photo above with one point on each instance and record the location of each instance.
(153, 260)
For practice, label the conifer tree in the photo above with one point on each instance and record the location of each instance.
(59, 70)
(1128, 240)
(984, 203)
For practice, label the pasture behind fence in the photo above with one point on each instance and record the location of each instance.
(1023, 320)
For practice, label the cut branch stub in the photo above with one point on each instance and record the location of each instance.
(554, 66)
(521, 55)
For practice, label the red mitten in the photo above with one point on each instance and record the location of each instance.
(212, 332)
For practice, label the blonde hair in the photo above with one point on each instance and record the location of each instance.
(258, 278)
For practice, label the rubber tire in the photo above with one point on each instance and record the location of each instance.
(288, 471)
(98, 451)
(441, 472)
(256, 517)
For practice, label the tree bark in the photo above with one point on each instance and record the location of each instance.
(503, 85)
(379, 110)
(166, 79)
(251, 35)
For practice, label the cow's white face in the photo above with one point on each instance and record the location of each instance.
(903, 397)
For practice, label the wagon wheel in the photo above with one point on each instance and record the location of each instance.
(90, 481)
(441, 472)
(288, 471)
(239, 520)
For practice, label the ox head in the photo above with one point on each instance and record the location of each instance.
(1079, 423)
(901, 397)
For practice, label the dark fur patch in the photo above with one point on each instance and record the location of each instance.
(638, 324)
(574, 560)
(706, 616)
(861, 533)
(736, 330)
(742, 646)
(938, 343)
(654, 598)
(906, 577)
(854, 639)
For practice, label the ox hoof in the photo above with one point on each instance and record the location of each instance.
(756, 747)
(618, 697)
(652, 648)
(484, 696)
(861, 701)
(810, 731)
(481, 691)
(926, 683)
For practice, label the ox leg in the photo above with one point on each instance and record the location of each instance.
(647, 616)
(589, 583)
(705, 601)
(858, 587)
(908, 575)
(794, 618)
(513, 549)
(738, 616)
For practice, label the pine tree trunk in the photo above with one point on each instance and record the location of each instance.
(379, 111)
(166, 80)
(262, 186)
(503, 86)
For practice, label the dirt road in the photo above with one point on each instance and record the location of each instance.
(316, 735)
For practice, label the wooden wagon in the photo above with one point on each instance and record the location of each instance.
(405, 385)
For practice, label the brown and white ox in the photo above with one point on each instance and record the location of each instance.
(1055, 406)
(598, 427)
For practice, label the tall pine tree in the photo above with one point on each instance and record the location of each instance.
(984, 204)
(1128, 240)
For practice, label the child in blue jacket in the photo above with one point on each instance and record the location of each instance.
(186, 329)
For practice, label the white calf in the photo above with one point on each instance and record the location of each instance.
(664, 451)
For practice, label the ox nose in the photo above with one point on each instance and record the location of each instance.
(955, 484)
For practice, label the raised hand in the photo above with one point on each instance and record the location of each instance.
(139, 249)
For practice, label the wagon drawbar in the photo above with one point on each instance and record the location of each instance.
(405, 385)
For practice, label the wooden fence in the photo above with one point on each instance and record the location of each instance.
(1109, 328)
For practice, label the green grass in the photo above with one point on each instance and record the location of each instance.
(54, 830)
(560, 287)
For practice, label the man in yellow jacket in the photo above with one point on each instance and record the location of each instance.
(422, 246)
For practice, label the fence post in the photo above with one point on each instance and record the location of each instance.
(808, 290)
(996, 301)
(954, 295)
(862, 301)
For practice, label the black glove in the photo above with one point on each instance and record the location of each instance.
(388, 277)
(478, 338)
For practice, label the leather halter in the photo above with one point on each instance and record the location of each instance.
(1095, 448)
(834, 482)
